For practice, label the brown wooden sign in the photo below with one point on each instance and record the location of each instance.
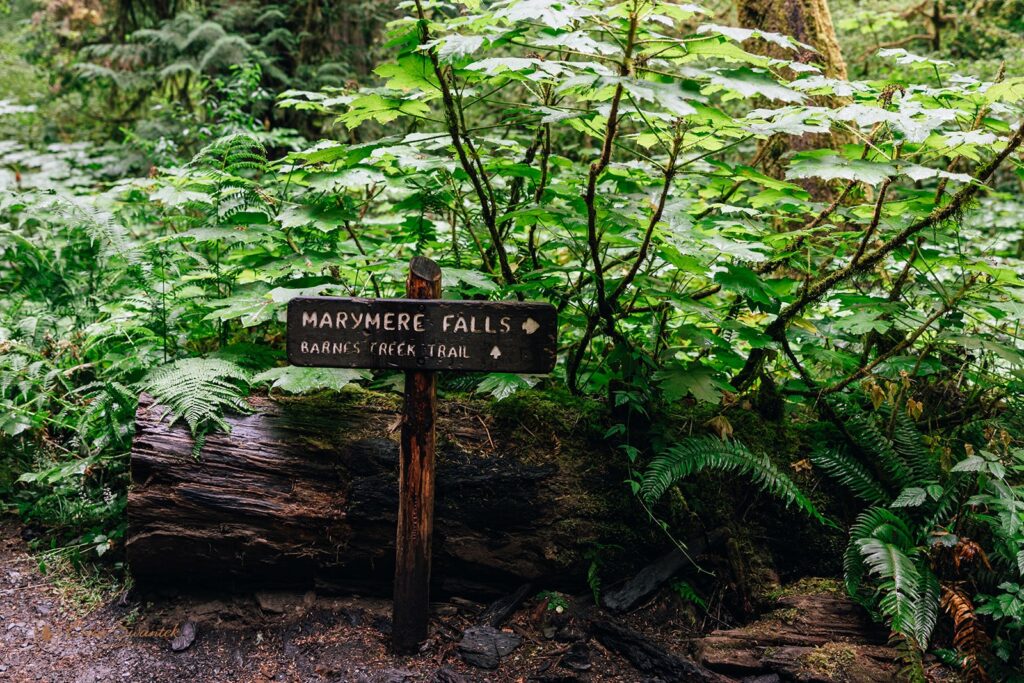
(419, 334)
(432, 334)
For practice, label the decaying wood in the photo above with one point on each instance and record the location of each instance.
(807, 637)
(499, 611)
(304, 491)
(647, 656)
(641, 587)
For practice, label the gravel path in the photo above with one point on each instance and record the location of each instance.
(251, 637)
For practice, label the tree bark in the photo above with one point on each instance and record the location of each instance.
(304, 492)
(809, 21)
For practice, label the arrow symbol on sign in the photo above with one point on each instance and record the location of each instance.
(495, 353)
(531, 326)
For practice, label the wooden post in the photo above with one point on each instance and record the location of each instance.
(416, 484)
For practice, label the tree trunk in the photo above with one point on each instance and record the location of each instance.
(809, 21)
(304, 492)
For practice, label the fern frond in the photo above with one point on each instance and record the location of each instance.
(271, 17)
(710, 453)
(102, 228)
(900, 582)
(203, 36)
(182, 66)
(869, 438)
(851, 473)
(908, 654)
(232, 153)
(873, 523)
(969, 637)
(225, 52)
(908, 443)
(199, 390)
(947, 503)
(926, 606)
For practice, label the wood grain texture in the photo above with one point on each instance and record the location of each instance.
(304, 493)
(415, 485)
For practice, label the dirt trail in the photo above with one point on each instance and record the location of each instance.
(304, 637)
(258, 638)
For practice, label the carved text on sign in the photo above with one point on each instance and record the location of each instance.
(433, 334)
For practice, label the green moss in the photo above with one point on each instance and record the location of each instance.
(810, 585)
(831, 661)
(786, 616)
(540, 413)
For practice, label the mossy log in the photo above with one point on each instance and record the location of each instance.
(304, 492)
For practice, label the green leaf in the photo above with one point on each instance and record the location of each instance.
(911, 497)
(381, 109)
(696, 379)
(833, 167)
(455, 46)
(749, 83)
(298, 380)
(501, 385)
(974, 463)
(409, 72)
(747, 282)
(1009, 90)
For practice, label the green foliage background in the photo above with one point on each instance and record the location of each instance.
(723, 233)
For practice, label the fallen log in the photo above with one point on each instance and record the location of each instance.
(814, 636)
(304, 492)
(647, 656)
(646, 583)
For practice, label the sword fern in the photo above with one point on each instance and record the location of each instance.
(697, 454)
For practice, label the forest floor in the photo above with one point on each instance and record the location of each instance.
(46, 635)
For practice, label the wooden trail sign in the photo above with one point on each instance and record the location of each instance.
(420, 334)
(486, 336)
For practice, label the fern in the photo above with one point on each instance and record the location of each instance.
(969, 636)
(846, 470)
(900, 582)
(873, 523)
(870, 439)
(225, 52)
(710, 453)
(907, 442)
(199, 390)
(233, 153)
(202, 37)
(883, 545)
(926, 606)
(687, 592)
(908, 654)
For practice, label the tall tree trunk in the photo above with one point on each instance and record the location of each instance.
(809, 21)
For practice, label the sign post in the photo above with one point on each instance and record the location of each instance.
(420, 334)
(415, 484)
